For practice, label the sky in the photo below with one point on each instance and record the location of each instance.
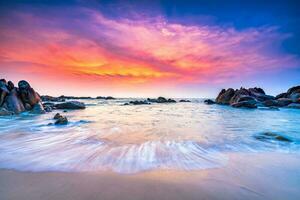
(150, 48)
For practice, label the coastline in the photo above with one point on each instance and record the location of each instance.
(246, 176)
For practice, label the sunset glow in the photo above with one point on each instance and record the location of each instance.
(81, 50)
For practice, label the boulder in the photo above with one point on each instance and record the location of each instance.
(245, 104)
(57, 116)
(5, 112)
(281, 95)
(50, 98)
(209, 101)
(139, 102)
(284, 102)
(293, 90)
(13, 102)
(295, 97)
(161, 100)
(70, 105)
(242, 92)
(294, 105)
(105, 98)
(28, 94)
(225, 96)
(272, 136)
(184, 101)
(38, 108)
(61, 121)
(271, 103)
(3, 91)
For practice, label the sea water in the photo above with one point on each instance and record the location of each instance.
(109, 135)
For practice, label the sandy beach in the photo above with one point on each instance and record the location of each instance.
(246, 176)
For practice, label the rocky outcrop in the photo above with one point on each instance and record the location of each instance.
(70, 105)
(184, 101)
(254, 97)
(60, 120)
(161, 100)
(209, 101)
(105, 98)
(268, 136)
(14, 100)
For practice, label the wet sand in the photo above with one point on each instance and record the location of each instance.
(246, 176)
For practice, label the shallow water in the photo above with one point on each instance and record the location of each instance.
(131, 139)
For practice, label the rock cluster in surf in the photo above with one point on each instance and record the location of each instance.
(15, 100)
(254, 97)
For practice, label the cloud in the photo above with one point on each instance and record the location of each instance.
(83, 42)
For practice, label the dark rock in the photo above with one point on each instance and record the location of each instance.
(5, 112)
(209, 101)
(48, 109)
(139, 102)
(225, 96)
(105, 98)
(57, 116)
(294, 105)
(70, 105)
(271, 103)
(161, 100)
(256, 90)
(10, 85)
(242, 92)
(272, 136)
(294, 90)
(245, 104)
(50, 98)
(28, 94)
(61, 121)
(73, 97)
(13, 102)
(295, 97)
(38, 108)
(284, 102)
(184, 101)
(282, 95)
(3, 91)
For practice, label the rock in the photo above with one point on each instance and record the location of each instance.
(57, 116)
(284, 102)
(293, 90)
(3, 91)
(256, 90)
(27, 106)
(38, 109)
(126, 104)
(13, 102)
(271, 103)
(50, 98)
(70, 105)
(28, 94)
(295, 97)
(161, 100)
(282, 95)
(10, 85)
(294, 105)
(184, 101)
(225, 96)
(242, 92)
(209, 101)
(61, 121)
(272, 136)
(5, 112)
(48, 109)
(245, 104)
(105, 98)
(139, 103)
(73, 97)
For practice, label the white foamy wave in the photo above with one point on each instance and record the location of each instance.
(91, 155)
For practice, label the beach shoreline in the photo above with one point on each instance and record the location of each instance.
(246, 176)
